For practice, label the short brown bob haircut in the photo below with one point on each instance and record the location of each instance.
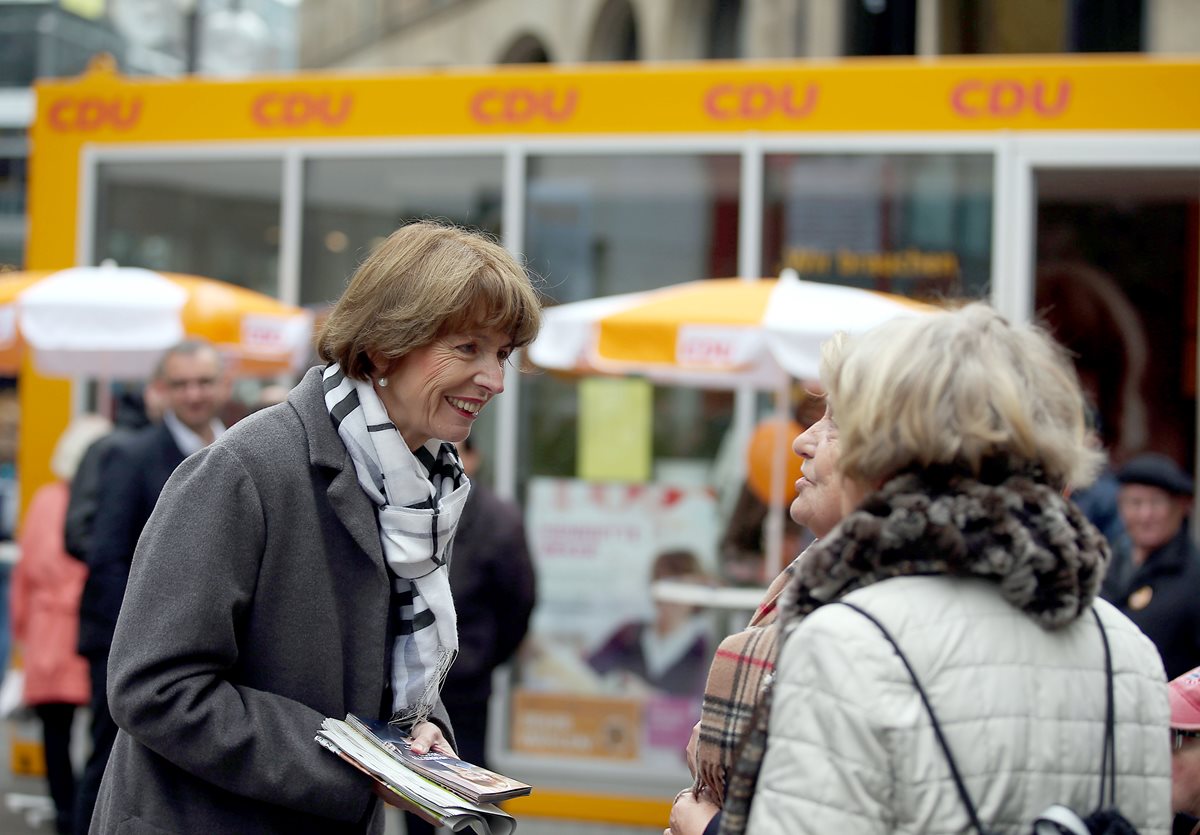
(427, 279)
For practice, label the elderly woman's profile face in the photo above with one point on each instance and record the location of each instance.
(818, 502)
(439, 389)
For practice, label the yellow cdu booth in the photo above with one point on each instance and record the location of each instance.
(1066, 187)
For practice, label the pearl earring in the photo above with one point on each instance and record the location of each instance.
(382, 382)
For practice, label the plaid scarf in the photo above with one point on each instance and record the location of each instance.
(742, 663)
(418, 497)
(1046, 558)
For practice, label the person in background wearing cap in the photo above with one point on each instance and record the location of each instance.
(1184, 693)
(1154, 576)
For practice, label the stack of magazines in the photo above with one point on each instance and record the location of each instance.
(443, 790)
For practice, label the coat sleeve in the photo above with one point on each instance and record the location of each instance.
(117, 524)
(20, 584)
(171, 684)
(742, 538)
(494, 568)
(826, 767)
(85, 496)
(513, 572)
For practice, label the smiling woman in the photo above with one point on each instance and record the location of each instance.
(307, 555)
(438, 390)
(429, 318)
(423, 281)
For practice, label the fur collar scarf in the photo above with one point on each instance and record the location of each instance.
(1046, 557)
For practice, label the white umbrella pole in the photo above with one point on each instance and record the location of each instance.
(778, 506)
(104, 398)
(79, 396)
(743, 425)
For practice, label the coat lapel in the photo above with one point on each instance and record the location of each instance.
(169, 456)
(354, 510)
(326, 451)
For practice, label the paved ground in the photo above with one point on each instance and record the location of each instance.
(24, 804)
(25, 807)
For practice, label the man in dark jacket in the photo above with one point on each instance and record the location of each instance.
(1154, 576)
(132, 474)
(493, 582)
(492, 578)
(133, 412)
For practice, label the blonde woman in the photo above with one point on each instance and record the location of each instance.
(959, 433)
(745, 660)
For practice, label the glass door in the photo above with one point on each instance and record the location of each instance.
(1103, 236)
(1115, 277)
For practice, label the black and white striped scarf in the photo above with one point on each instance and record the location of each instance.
(418, 498)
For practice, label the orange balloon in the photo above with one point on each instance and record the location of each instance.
(760, 456)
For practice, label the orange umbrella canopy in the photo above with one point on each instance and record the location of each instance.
(115, 321)
(699, 332)
(717, 332)
(11, 285)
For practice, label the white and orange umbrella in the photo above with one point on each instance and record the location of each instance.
(717, 333)
(114, 322)
(803, 314)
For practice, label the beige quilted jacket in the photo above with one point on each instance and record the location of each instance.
(851, 748)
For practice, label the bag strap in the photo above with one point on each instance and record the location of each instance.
(937, 728)
(1108, 761)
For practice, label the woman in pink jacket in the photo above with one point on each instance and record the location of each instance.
(46, 584)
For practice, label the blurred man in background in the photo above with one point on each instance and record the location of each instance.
(134, 411)
(492, 578)
(491, 575)
(193, 389)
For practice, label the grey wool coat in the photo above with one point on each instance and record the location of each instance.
(258, 604)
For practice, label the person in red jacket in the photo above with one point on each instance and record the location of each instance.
(44, 605)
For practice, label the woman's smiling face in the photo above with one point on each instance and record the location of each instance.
(439, 389)
(818, 502)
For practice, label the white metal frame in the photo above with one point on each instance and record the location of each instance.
(1015, 157)
(1031, 152)
(508, 416)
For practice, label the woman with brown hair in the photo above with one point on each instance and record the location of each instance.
(296, 568)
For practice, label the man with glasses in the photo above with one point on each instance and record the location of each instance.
(1154, 576)
(1184, 693)
(190, 383)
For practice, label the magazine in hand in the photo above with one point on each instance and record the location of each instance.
(412, 790)
(463, 778)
